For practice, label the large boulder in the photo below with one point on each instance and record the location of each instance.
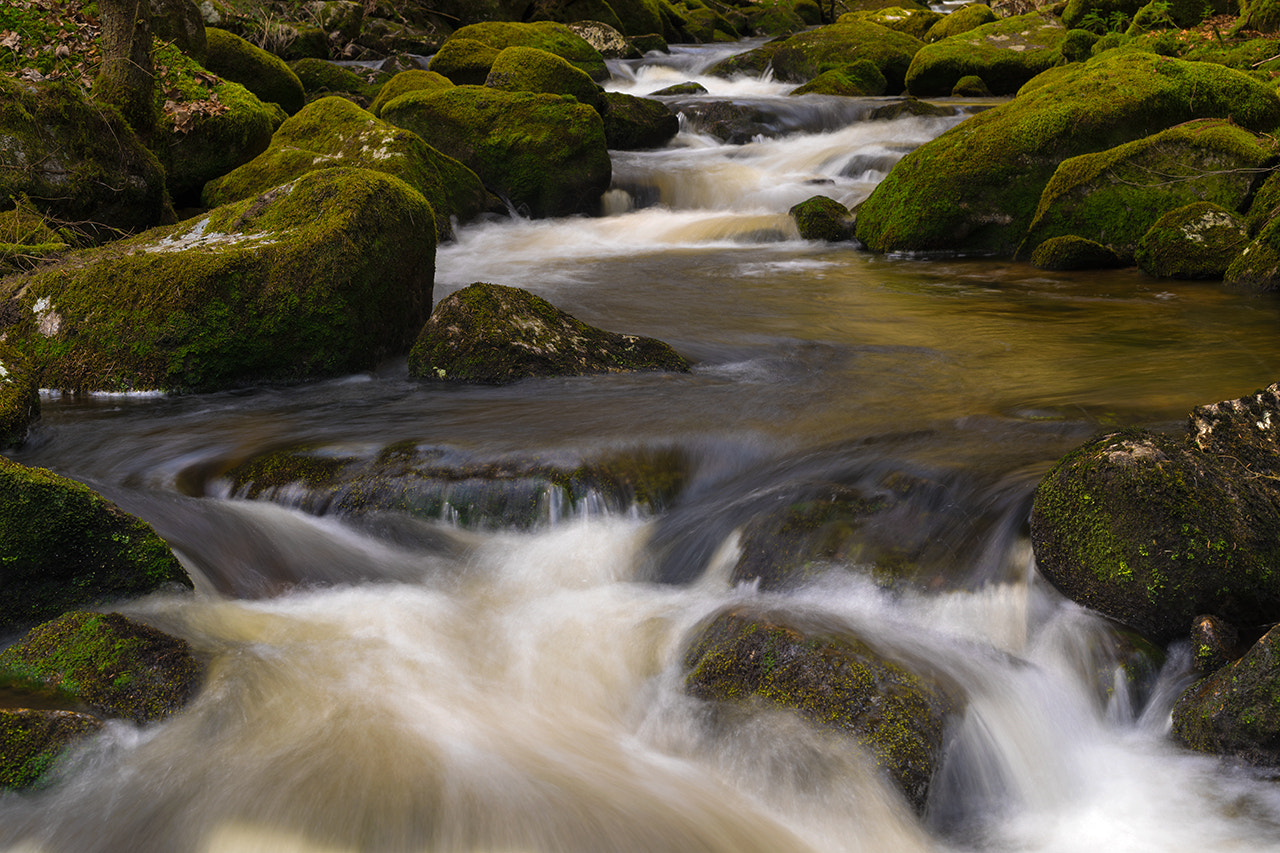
(528, 69)
(321, 78)
(1005, 54)
(545, 154)
(1154, 530)
(464, 61)
(976, 187)
(859, 79)
(1115, 196)
(106, 662)
(264, 74)
(333, 132)
(544, 35)
(64, 546)
(1198, 240)
(914, 22)
(492, 334)
(19, 397)
(77, 162)
(32, 742)
(831, 677)
(406, 82)
(961, 20)
(321, 276)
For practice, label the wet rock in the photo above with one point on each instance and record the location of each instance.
(543, 35)
(1198, 240)
(860, 79)
(736, 124)
(960, 21)
(264, 74)
(976, 187)
(833, 678)
(333, 132)
(19, 397)
(547, 155)
(1214, 644)
(464, 61)
(1154, 530)
(822, 218)
(31, 742)
(910, 107)
(1070, 252)
(1236, 711)
(111, 664)
(1005, 54)
(689, 88)
(64, 546)
(632, 123)
(528, 69)
(325, 275)
(492, 334)
(1115, 196)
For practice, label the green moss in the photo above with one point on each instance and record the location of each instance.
(1100, 16)
(528, 69)
(1077, 46)
(1197, 240)
(962, 20)
(408, 81)
(860, 79)
(31, 742)
(914, 22)
(320, 78)
(464, 61)
(544, 35)
(822, 218)
(267, 76)
(1257, 267)
(632, 123)
(1005, 54)
(19, 397)
(970, 86)
(806, 55)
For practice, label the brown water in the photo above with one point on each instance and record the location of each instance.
(420, 687)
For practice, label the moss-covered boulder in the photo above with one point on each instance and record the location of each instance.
(1077, 45)
(29, 238)
(913, 22)
(1198, 240)
(264, 74)
(77, 162)
(406, 82)
(111, 664)
(962, 20)
(547, 155)
(544, 35)
(321, 78)
(1005, 54)
(332, 133)
(1214, 644)
(494, 334)
(528, 69)
(19, 397)
(1070, 252)
(321, 276)
(823, 218)
(976, 187)
(632, 123)
(63, 546)
(774, 21)
(1257, 267)
(32, 742)
(970, 86)
(1115, 196)
(440, 483)
(1236, 710)
(464, 61)
(833, 678)
(860, 79)
(1155, 530)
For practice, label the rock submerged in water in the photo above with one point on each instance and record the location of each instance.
(493, 334)
(822, 218)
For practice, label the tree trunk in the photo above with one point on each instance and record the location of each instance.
(126, 79)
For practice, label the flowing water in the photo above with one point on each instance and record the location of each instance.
(415, 686)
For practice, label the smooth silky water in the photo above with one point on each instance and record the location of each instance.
(413, 686)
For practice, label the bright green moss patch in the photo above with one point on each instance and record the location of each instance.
(962, 20)
(544, 35)
(262, 73)
(1197, 240)
(913, 22)
(31, 742)
(1070, 252)
(528, 69)
(1005, 54)
(464, 61)
(405, 82)
(859, 79)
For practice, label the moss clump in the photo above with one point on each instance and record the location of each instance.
(464, 61)
(976, 187)
(914, 22)
(322, 276)
(822, 218)
(64, 546)
(267, 76)
(19, 397)
(1100, 15)
(1195, 241)
(1005, 54)
(528, 69)
(962, 20)
(632, 123)
(544, 35)
(321, 78)
(545, 153)
(859, 79)
(970, 86)
(406, 82)
(492, 334)
(31, 742)
(333, 132)
(833, 679)
(113, 665)
(1077, 45)
(1070, 252)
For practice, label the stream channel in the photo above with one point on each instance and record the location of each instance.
(419, 685)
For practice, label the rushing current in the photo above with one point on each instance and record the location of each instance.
(420, 686)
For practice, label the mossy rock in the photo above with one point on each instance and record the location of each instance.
(1099, 15)
(105, 180)
(108, 663)
(264, 74)
(63, 546)
(544, 35)
(833, 678)
(1070, 252)
(332, 133)
(1236, 711)
(706, 26)
(1077, 46)
(1005, 54)
(180, 23)
(32, 742)
(464, 61)
(321, 78)
(1197, 240)
(528, 69)
(319, 277)
(970, 86)
(1115, 196)
(686, 88)
(606, 37)
(28, 238)
(1150, 18)
(1154, 530)
(909, 106)
(1257, 267)
(976, 187)
(406, 82)
(638, 17)
(1215, 643)
(436, 483)
(822, 218)
(774, 21)
(1260, 15)
(493, 334)
(19, 397)
(544, 153)
(913, 22)
(632, 123)
(962, 20)
(861, 79)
